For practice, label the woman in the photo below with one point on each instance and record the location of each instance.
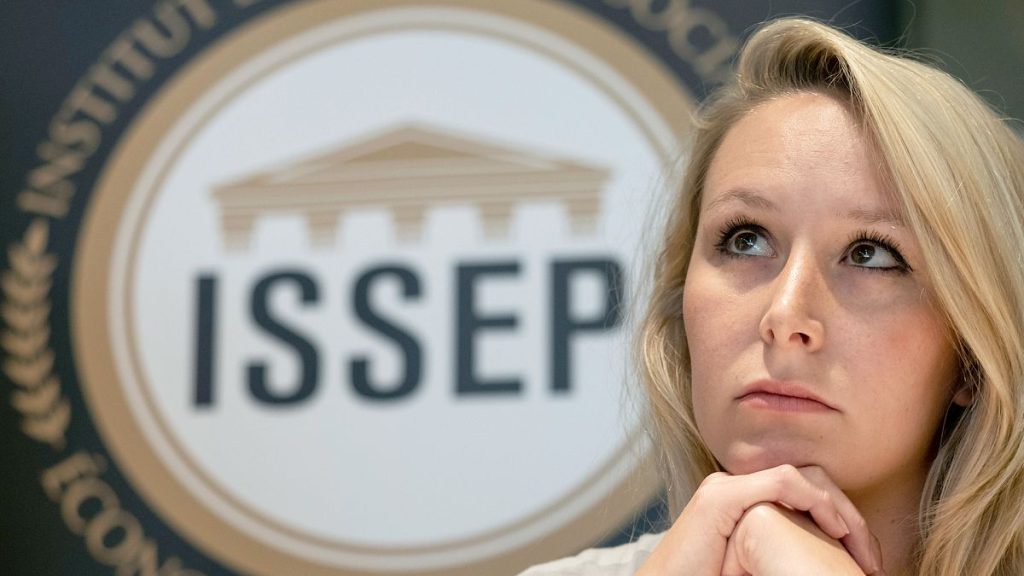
(834, 350)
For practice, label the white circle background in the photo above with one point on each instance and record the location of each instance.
(434, 467)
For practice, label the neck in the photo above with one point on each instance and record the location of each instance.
(892, 515)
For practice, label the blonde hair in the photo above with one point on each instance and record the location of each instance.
(957, 172)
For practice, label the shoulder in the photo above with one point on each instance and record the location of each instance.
(619, 561)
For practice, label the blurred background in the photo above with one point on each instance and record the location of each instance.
(346, 286)
(979, 42)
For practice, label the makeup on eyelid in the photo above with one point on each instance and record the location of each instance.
(730, 232)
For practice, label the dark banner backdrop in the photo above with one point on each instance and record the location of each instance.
(86, 101)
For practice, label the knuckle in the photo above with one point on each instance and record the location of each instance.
(814, 471)
(857, 523)
(816, 475)
(711, 481)
(788, 470)
(714, 477)
(783, 476)
(759, 514)
(826, 498)
(787, 473)
(709, 490)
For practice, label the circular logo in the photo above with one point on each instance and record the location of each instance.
(351, 292)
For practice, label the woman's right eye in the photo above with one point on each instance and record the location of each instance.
(746, 241)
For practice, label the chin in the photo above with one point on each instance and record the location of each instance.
(748, 459)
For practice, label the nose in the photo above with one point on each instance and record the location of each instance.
(793, 318)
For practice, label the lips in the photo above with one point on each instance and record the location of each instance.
(783, 396)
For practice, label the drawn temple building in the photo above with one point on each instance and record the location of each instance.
(407, 171)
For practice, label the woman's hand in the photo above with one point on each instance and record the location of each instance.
(771, 540)
(697, 542)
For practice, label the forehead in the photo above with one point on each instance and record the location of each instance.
(806, 150)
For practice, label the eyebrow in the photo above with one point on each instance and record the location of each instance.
(755, 200)
(752, 199)
(872, 217)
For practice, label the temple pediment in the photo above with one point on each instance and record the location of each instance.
(408, 170)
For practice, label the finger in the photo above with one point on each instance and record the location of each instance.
(790, 486)
(807, 489)
(774, 539)
(732, 565)
(876, 547)
(860, 543)
(729, 497)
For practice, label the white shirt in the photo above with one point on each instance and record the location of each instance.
(622, 560)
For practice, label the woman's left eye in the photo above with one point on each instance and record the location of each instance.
(867, 254)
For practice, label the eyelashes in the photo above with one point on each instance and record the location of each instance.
(872, 238)
(731, 228)
(866, 249)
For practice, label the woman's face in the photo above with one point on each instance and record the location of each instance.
(807, 310)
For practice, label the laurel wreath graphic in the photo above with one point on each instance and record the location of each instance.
(25, 339)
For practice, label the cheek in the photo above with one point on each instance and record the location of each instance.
(696, 322)
(703, 362)
(700, 324)
(718, 322)
(915, 342)
(912, 364)
(719, 328)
